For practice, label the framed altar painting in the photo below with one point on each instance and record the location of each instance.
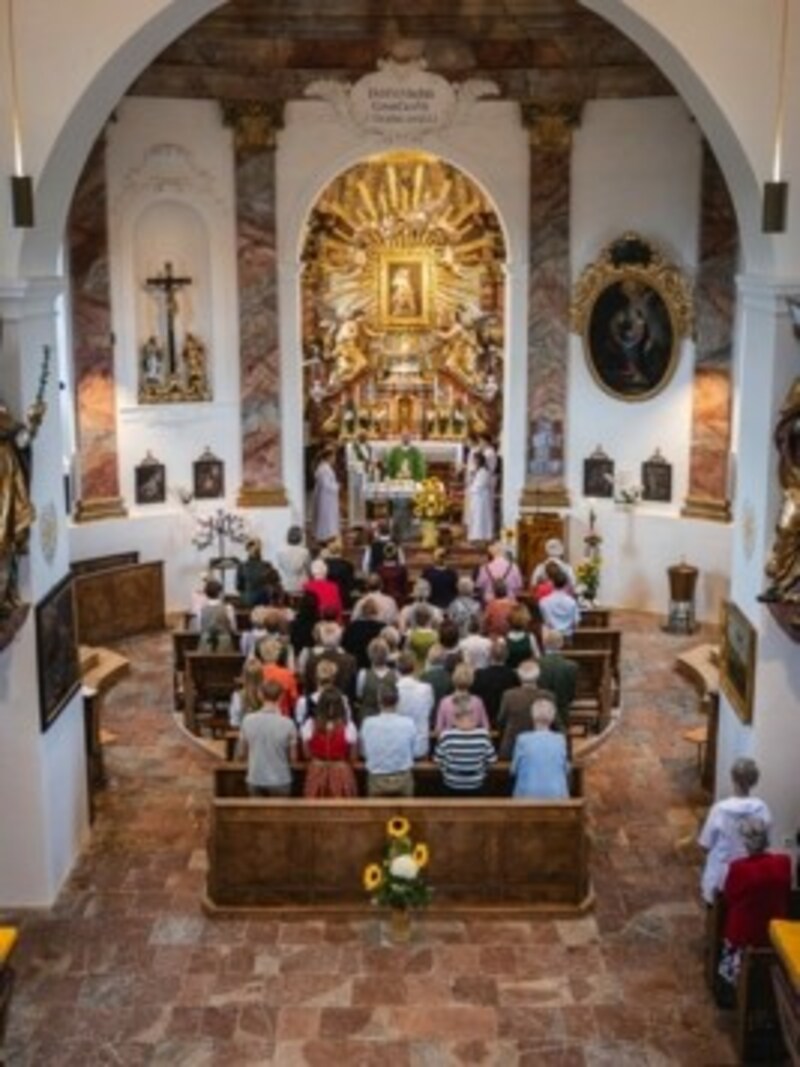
(633, 309)
(209, 477)
(57, 651)
(405, 289)
(737, 661)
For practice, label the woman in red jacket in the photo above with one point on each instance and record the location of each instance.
(757, 890)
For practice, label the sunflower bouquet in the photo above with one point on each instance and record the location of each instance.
(587, 574)
(430, 499)
(398, 880)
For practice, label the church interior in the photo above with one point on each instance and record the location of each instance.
(252, 253)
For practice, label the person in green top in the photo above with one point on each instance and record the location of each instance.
(405, 461)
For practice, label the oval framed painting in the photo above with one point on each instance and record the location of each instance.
(630, 340)
(633, 310)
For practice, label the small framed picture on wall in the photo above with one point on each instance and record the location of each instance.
(150, 481)
(598, 474)
(209, 476)
(657, 479)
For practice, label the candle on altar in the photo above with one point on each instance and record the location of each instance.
(436, 389)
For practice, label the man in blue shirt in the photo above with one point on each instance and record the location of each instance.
(387, 742)
(559, 610)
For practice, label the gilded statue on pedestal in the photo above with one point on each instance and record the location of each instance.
(17, 512)
(783, 566)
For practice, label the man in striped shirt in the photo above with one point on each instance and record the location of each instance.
(464, 752)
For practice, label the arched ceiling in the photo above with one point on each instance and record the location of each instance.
(271, 49)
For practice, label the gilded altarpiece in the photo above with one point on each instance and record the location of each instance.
(403, 296)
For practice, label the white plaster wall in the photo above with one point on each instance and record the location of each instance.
(636, 166)
(171, 198)
(43, 825)
(773, 737)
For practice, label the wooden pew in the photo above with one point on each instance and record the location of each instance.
(183, 641)
(210, 680)
(605, 639)
(300, 858)
(591, 708)
(595, 618)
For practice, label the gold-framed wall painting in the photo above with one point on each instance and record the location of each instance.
(737, 660)
(405, 296)
(633, 309)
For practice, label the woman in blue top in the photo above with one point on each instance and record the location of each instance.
(539, 765)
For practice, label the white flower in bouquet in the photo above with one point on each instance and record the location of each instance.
(405, 867)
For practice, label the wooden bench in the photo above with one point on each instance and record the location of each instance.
(607, 640)
(301, 858)
(595, 618)
(700, 666)
(210, 679)
(183, 641)
(591, 708)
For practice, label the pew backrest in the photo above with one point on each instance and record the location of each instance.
(604, 639)
(591, 707)
(210, 680)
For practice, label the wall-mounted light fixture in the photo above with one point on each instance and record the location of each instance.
(776, 191)
(22, 213)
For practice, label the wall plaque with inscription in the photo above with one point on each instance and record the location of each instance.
(402, 101)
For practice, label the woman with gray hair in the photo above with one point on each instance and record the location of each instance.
(540, 764)
(720, 835)
(757, 890)
(421, 596)
(465, 607)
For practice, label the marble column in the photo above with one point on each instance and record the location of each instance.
(97, 493)
(255, 126)
(715, 305)
(550, 129)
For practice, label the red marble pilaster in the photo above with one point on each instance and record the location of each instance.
(548, 301)
(93, 345)
(715, 301)
(255, 126)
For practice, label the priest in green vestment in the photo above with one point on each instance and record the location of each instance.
(405, 461)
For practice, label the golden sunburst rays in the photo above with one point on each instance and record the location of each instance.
(403, 202)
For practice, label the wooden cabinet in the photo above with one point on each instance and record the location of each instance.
(533, 533)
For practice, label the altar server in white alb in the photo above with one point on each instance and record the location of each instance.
(480, 524)
(326, 498)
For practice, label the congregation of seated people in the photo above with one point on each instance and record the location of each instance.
(343, 667)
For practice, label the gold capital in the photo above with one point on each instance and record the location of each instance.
(550, 126)
(255, 123)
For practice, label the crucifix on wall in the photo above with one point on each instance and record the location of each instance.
(169, 285)
(185, 375)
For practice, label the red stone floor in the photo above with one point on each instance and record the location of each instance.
(126, 969)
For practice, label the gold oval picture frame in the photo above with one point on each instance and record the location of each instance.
(632, 309)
